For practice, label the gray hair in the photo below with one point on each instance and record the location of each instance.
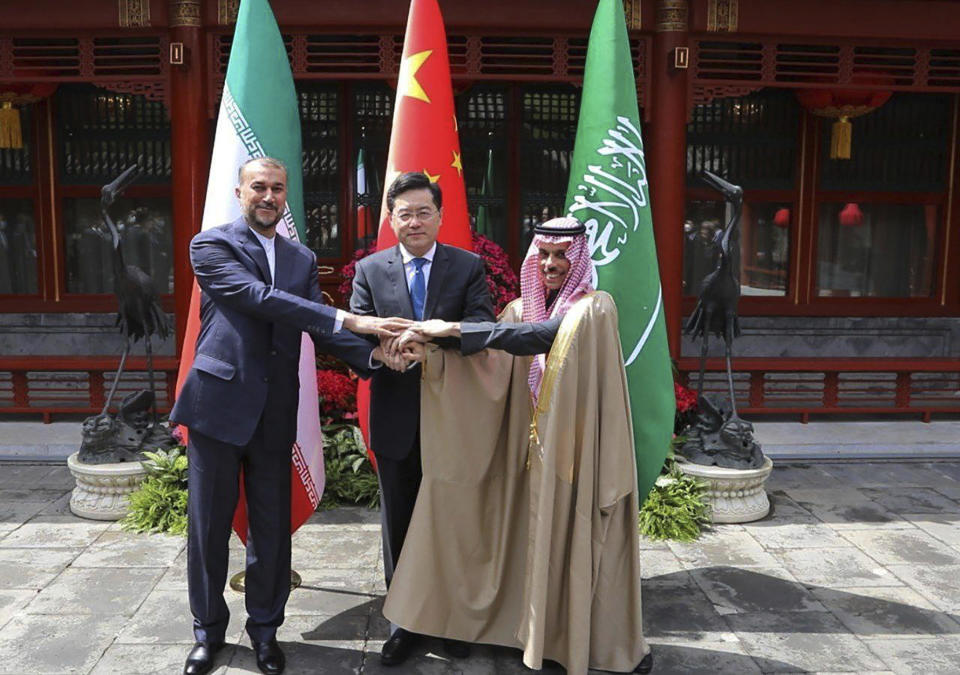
(272, 162)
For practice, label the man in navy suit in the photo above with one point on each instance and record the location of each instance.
(417, 279)
(240, 399)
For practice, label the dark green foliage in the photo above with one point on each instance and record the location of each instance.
(160, 504)
(675, 508)
(350, 478)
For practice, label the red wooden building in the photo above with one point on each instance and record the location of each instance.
(851, 267)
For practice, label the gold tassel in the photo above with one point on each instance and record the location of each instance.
(841, 138)
(10, 136)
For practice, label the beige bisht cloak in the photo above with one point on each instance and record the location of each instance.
(525, 532)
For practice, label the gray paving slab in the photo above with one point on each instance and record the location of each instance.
(762, 589)
(931, 656)
(896, 547)
(843, 567)
(679, 612)
(703, 658)
(723, 546)
(12, 602)
(164, 618)
(153, 659)
(55, 532)
(848, 509)
(341, 548)
(894, 613)
(659, 563)
(787, 533)
(116, 548)
(945, 528)
(940, 585)
(39, 644)
(97, 591)
(949, 491)
(912, 500)
(33, 568)
(802, 641)
(306, 658)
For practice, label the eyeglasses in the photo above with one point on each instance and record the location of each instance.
(423, 215)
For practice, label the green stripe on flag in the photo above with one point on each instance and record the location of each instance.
(608, 192)
(260, 81)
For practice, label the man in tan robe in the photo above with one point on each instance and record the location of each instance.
(525, 531)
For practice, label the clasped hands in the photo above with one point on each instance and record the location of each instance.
(402, 341)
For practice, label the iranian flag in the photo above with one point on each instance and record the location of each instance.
(424, 138)
(259, 117)
(608, 192)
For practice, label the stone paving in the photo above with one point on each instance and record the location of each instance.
(857, 570)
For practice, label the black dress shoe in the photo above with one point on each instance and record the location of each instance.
(645, 665)
(396, 650)
(270, 658)
(201, 657)
(456, 648)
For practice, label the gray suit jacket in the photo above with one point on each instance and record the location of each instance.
(457, 291)
(248, 351)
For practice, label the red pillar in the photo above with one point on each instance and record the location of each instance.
(666, 163)
(190, 152)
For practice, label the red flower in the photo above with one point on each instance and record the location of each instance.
(686, 398)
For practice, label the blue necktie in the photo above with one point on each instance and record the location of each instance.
(418, 291)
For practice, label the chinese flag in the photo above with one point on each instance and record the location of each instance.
(424, 138)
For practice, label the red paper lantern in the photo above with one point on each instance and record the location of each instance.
(18, 93)
(842, 105)
(851, 215)
(782, 217)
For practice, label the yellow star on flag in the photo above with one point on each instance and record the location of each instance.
(456, 164)
(407, 84)
(433, 179)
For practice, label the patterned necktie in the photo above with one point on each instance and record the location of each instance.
(418, 291)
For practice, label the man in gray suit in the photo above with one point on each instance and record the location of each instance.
(417, 279)
(259, 292)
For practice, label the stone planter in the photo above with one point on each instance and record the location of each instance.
(735, 495)
(103, 490)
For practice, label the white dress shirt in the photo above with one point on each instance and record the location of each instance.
(410, 270)
(269, 248)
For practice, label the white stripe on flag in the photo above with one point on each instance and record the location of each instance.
(236, 143)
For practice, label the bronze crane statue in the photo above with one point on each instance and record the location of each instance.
(139, 314)
(716, 310)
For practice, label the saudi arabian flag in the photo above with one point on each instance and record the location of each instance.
(259, 117)
(608, 192)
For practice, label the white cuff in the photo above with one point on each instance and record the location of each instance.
(338, 322)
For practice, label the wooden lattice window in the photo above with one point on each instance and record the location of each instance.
(482, 120)
(880, 214)
(99, 134)
(751, 141)
(18, 204)
(547, 134)
(319, 122)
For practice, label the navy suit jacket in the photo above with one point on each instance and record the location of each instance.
(457, 290)
(248, 351)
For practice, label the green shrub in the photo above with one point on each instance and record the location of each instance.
(676, 507)
(350, 478)
(160, 503)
